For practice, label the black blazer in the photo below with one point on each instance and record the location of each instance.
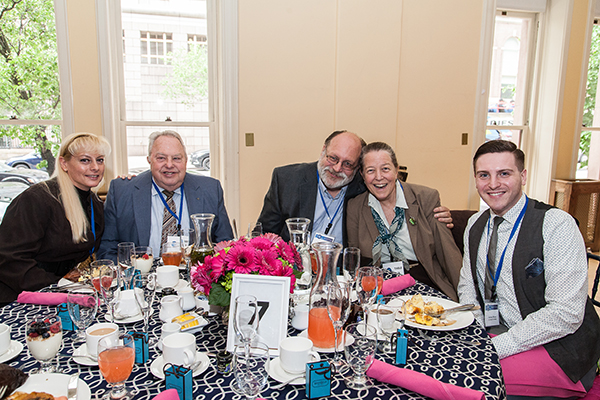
(293, 193)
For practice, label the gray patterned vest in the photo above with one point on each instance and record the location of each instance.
(576, 353)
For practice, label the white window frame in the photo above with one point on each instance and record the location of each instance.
(223, 113)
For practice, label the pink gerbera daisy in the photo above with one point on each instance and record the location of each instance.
(261, 243)
(241, 259)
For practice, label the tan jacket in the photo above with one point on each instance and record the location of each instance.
(431, 240)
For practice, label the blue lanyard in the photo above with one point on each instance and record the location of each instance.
(512, 233)
(178, 218)
(327, 211)
(93, 225)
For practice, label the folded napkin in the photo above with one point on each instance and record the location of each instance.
(397, 284)
(170, 394)
(42, 298)
(420, 383)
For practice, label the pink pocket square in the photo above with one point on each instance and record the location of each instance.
(397, 284)
(420, 383)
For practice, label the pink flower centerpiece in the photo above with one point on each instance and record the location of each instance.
(267, 254)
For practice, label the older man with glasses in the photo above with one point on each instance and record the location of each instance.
(320, 191)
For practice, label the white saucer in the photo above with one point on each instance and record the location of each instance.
(180, 285)
(349, 341)
(129, 320)
(14, 350)
(157, 365)
(54, 384)
(82, 351)
(280, 375)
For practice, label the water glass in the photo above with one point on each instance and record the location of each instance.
(254, 230)
(360, 354)
(250, 368)
(82, 304)
(115, 360)
(187, 238)
(125, 262)
(350, 262)
(245, 321)
(44, 340)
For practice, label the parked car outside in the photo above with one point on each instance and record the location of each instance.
(29, 160)
(26, 176)
(201, 159)
(8, 191)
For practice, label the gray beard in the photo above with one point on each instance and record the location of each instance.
(337, 184)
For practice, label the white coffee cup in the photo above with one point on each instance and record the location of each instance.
(300, 320)
(387, 316)
(179, 349)
(171, 306)
(167, 329)
(167, 276)
(187, 296)
(94, 333)
(294, 353)
(127, 305)
(4, 338)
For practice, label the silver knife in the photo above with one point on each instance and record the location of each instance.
(72, 387)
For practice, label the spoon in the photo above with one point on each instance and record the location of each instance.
(281, 385)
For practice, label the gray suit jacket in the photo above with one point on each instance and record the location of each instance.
(432, 242)
(293, 193)
(129, 203)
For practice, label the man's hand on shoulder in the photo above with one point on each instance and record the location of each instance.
(128, 176)
(442, 214)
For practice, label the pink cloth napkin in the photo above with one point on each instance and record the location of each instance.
(397, 284)
(46, 299)
(420, 383)
(170, 394)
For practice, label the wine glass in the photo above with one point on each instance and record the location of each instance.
(366, 287)
(338, 309)
(44, 339)
(82, 304)
(388, 311)
(187, 238)
(109, 276)
(250, 367)
(350, 263)
(144, 288)
(125, 261)
(115, 359)
(245, 321)
(360, 354)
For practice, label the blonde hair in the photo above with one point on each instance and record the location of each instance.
(74, 144)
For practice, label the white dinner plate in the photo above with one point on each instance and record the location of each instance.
(82, 351)
(157, 365)
(54, 384)
(129, 320)
(349, 341)
(280, 375)
(462, 318)
(14, 350)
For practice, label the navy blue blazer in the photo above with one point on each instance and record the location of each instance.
(128, 208)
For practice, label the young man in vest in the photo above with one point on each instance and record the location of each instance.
(525, 264)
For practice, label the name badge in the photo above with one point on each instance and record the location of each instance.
(491, 314)
(396, 267)
(321, 237)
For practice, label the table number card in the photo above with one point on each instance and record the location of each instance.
(318, 379)
(179, 378)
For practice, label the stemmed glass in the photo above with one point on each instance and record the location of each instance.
(350, 263)
(360, 354)
(125, 261)
(187, 238)
(338, 309)
(254, 230)
(109, 276)
(366, 287)
(44, 339)
(115, 359)
(245, 321)
(82, 304)
(144, 288)
(250, 368)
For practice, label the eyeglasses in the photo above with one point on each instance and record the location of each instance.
(333, 160)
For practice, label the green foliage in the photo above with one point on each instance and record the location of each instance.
(29, 82)
(219, 296)
(188, 80)
(590, 95)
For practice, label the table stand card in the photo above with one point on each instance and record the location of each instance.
(179, 378)
(140, 340)
(273, 296)
(63, 312)
(318, 379)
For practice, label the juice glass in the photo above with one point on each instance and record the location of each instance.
(320, 327)
(115, 359)
(171, 255)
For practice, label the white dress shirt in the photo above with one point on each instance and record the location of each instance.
(322, 219)
(158, 209)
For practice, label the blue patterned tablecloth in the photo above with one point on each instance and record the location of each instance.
(473, 366)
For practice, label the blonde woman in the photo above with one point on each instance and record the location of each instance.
(54, 225)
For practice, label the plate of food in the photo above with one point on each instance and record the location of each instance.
(419, 307)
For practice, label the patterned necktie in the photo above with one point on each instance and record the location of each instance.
(387, 237)
(169, 225)
(491, 271)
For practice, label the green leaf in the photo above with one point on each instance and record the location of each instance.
(218, 296)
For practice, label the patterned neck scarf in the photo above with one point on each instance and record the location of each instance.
(387, 237)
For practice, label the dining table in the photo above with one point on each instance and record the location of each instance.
(463, 357)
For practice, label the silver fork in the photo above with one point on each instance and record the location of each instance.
(434, 339)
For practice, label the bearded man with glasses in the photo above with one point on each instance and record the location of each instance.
(320, 191)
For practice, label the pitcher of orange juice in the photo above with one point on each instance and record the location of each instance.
(320, 327)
